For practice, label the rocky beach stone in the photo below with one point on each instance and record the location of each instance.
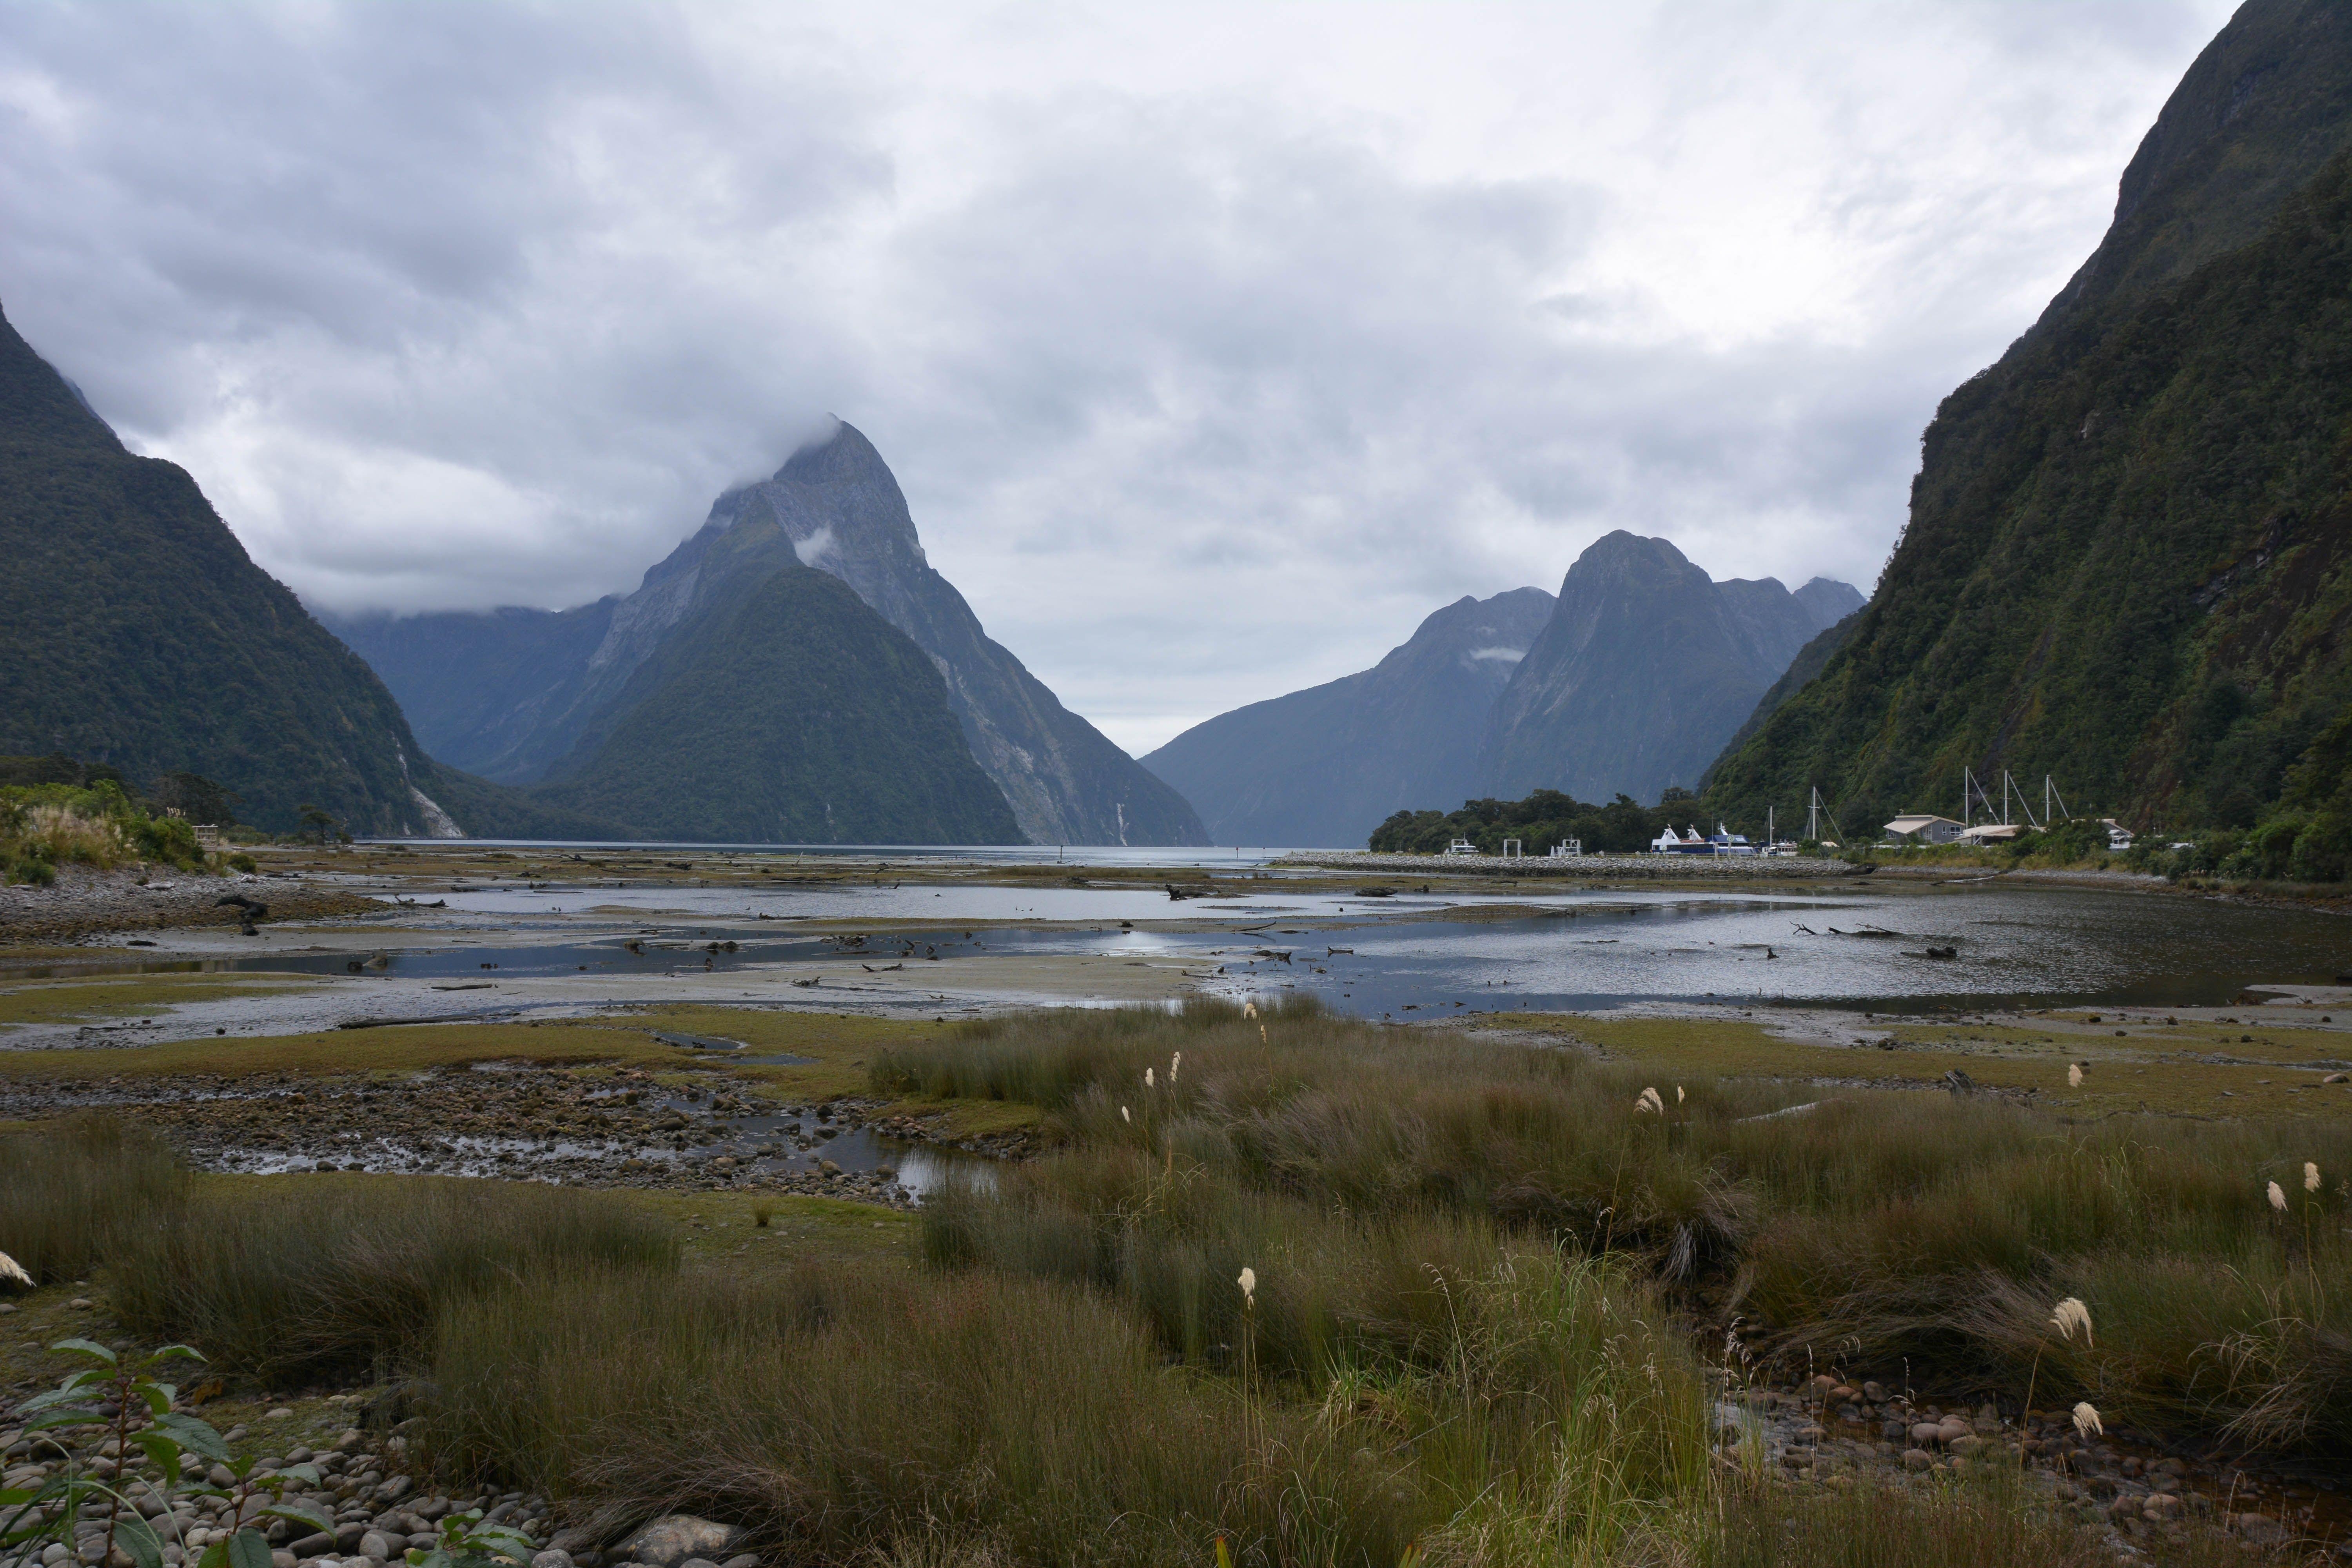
(673, 1541)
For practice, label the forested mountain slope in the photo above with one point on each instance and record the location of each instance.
(2124, 561)
(524, 695)
(134, 631)
(789, 712)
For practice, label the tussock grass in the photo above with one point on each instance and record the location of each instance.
(71, 1192)
(1872, 1228)
(288, 1289)
(854, 1410)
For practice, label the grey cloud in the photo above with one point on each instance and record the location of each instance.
(1202, 390)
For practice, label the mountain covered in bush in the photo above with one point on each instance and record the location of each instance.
(528, 696)
(791, 713)
(135, 633)
(2125, 563)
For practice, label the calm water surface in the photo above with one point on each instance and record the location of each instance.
(1875, 947)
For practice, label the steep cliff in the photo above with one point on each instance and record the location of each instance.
(2123, 562)
(134, 631)
(1645, 669)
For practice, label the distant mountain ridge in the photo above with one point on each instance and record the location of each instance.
(540, 711)
(1631, 679)
(1323, 767)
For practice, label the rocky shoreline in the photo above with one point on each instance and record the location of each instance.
(526, 1122)
(83, 900)
(384, 1505)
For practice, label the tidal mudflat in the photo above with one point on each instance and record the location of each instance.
(1738, 1212)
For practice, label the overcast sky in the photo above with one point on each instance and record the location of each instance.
(1214, 345)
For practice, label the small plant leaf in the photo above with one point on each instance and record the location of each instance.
(176, 1352)
(215, 1556)
(158, 1400)
(138, 1538)
(161, 1448)
(74, 1418)
(299, 1475)
(72, 1388)
(90, 1348)
(302, 1513)
(194, 1434)
(248, 1549)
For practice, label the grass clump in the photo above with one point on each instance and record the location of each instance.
(864, 1410)
(349, 1282)
(1872, 1228)
(70, 1195)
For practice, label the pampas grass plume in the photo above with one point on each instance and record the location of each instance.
(2072, 1315)
(2074, 1075)
(2310, 1176)
(1650, 1100)
(2278, 1198)
(1248, 1282)
(2087, 1420)
(11, 1270)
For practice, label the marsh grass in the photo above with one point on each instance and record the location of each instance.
(288, 1287)
(69, 1194)
(1871, 1229)
(859, 1409)
(851, 1408)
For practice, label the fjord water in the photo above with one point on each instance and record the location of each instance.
(1872, 946)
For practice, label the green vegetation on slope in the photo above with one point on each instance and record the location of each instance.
(135, 633)
(2124, 568)
(796, 715)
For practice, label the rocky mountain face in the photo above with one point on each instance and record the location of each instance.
(539, 707)
(1323, 767)
(2124, 565)
(1644, 669)
(135, 631)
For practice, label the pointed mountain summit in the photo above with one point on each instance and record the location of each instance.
(1323, 767)
(839, 505)
(1645, 669)
(533, 696)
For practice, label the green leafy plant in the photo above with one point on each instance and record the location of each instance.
(142, 1421)
(467, 1542)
